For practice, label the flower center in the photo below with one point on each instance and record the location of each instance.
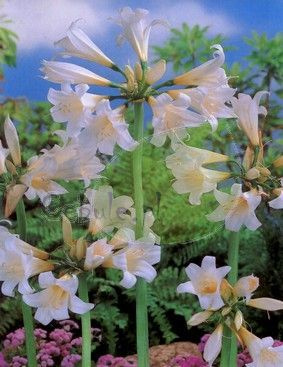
(40, 183)
(57, 296)
(207, 286)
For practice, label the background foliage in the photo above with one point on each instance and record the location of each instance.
(185, 232)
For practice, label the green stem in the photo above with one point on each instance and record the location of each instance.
(86, 323)
(141, 287)
(229, 346)
(26, 310)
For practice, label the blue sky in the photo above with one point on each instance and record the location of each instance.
(41, 22)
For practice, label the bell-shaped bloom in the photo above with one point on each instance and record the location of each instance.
(208, 74)
(265, 303)
(136, 260)
(213, 345)
(16, 268)
(247, 110)
(261, 350)
(108, 128)
(245, 286)
(205, 282)
(3, 155)
(56, 298)
(136, 29)
(12, 140)
(72, 106)
(106, 212)
(38, 180)
(78, 44)
(277, 203)
(97, 253)
(171, 118)
(210, 102)
(64, 72)
(191, 177)
(237, 208)
(68, 162)
(8, 239)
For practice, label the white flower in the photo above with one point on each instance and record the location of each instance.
(8, 239)
(107, 128)
(208, 74)
(245, 286)
(213, 345)
(209, 101)
(156, 72)
(97, 253)
(247, 110)
(191, 177)
(12, 140)
(172, 117)
(64, 72)
(69, 162)
(135, 29)
(3, 155)
(38, 179)
(72, 106)
(16, 268)
(57, 296)
(77, 43)
(261, 350)
(106, 212)
(277, 203)
(136, 259)
(236, 209)
(205, 283)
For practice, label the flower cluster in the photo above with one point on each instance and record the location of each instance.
(223, 304)
(257, 180)
(60, 346)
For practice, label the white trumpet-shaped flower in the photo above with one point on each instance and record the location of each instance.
(213, 345)
(135, 29)
(106, 212)
(208, 74)
(205, 282)
(64, 72)
(77, 43)
(237, 208)
(171, 118)
(72, 106)
(247, 110)
(97, 253)
(261, 350)
(191, 177)
(8, 239)
(245, 286)
(137, 258)
(107, 128)
(56, 298)
(3, 155)
(68, 162)
(16, 267)
(210, 102)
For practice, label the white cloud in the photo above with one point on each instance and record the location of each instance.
(191, 12)
(41, 22)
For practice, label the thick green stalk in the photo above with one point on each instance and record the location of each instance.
(26, 310)
(229, 346)
(86, 323)
(141, 287)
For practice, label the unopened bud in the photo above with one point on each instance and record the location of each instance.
(252, 173)
(238, 321)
